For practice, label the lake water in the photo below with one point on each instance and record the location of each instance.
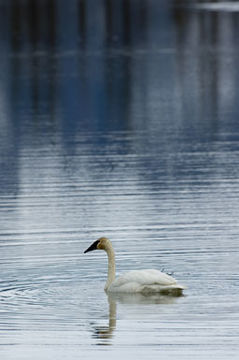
(118, 122)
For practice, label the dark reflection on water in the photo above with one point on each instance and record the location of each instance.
(121, 66)
(129, 65)
(118, 118)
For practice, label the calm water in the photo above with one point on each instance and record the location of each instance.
(122, 122)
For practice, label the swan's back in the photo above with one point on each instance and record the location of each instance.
(146, 281)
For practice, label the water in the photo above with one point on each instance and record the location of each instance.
(121, 122)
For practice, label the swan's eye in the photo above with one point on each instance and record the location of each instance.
(100, 245)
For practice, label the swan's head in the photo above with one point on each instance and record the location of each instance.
(101, 244)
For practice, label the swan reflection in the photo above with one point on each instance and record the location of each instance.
(106, 332)
(139, 298)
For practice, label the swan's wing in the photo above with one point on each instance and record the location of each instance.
(144, 277)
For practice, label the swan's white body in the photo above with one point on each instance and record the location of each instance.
(136, 281)
(145, 281)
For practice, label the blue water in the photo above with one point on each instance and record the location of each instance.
(118, 122)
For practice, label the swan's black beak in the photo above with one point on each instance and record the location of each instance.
(92, 247)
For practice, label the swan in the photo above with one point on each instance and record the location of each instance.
(135, 281)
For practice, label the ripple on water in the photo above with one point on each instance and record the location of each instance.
(43, 305)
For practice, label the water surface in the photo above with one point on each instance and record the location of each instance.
(120, 122)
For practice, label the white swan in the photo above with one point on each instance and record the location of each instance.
(136, 281)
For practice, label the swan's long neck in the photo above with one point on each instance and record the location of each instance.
(111, 266)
